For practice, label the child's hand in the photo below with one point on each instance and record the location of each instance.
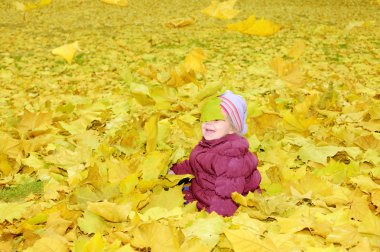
(171, 172)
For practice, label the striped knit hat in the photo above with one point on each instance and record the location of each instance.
(235, 106)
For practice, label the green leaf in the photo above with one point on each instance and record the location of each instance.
(211, 110)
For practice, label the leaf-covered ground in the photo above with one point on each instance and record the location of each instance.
(85, 147)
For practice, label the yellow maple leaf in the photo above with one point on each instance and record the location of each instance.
(365, 183)
(194, 61)
(10, 146)
(187, 71)
(252, 26)
(13, 210)
(180, 22)
(221, 10)
(156, 213)
(128, 184)
(243, 240)
(110, 211)
(91, 223)
(157, 236)
(207, 229)
(195, 245)
(345, 234)
(5, 166)
(298, 122)
(51, 243)
(30, 5)
(297, 49)
(122, 3)
(67, 51)
(293, 224)
(57, 224)
(375, 198)
(148, 71)
(363, 245)
(150, 129)
(35, 123)
(370, 224)
(244, 221)
(141, 93)
(168, 199)
(95, 244)
(287, 71)
(154, 165)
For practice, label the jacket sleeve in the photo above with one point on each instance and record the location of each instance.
(182, 168)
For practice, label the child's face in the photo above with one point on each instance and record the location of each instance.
(218, 128)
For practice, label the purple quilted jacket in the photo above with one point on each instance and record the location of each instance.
(220, 167)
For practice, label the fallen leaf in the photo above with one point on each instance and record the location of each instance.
(67, 51)
(122, 3)
(252, 26)
(180, 22)
(221, 10)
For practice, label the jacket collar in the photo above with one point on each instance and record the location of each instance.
(226, 138)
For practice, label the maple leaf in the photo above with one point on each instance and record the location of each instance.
(180, 22)
(95, 244)
(366, 184)
(67, 51)
(50, 243)
(207, 229)
(288, 72)
(169, 199)
(36, 124)
(186, 72)
(122, 3)
(297, 50)
(150, 129)
(211, 110)
(92, 223)
(221, 10)
(252, 26)
(245, 240)
(157, 236)
(13, 210)
(110, 211)
(128, 184)
(30, 5)
(154, 165)
(194, 61)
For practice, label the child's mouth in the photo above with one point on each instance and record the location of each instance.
(210, 131)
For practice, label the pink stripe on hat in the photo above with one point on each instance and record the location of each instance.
(232, 111)
(236, 108)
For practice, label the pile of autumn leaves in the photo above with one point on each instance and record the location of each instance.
(103, 161)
